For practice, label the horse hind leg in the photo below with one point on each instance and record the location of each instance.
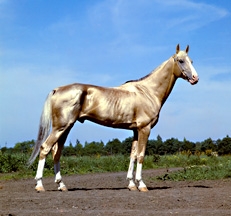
(56, 153)
(44, 150)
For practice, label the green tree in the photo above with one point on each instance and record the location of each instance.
(208, 144)
(114, 147)
(187, 145)
(126, 146)
(94, 148)
(155, 146)
(224, 146)
(79, 148)
(172, 146)
(69, 150)
(24, 147)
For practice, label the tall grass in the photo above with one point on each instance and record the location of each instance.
(194, 167)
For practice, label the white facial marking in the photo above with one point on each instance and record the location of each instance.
(194, 73)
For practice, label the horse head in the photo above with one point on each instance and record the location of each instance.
(185, 68)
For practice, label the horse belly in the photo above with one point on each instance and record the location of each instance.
(109, 118)
(108, 114)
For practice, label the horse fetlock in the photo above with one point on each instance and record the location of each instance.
(38, 178)
(58, 181)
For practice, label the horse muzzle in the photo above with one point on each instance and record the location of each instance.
(194, 80)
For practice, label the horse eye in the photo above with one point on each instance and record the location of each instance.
(181, 61)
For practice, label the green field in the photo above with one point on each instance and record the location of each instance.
(194, 167)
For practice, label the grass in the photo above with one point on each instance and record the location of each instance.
(199, 168)
(194, 167)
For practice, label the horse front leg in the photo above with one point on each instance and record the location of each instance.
(143, 135)
(133, 157)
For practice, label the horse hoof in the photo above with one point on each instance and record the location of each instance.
(132, 188)
(143, 189)
(64, 189)
(39, 189)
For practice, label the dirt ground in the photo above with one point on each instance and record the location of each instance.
(106, 194)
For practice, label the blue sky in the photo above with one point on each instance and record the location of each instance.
(45, 44)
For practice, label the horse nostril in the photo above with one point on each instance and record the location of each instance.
(195, 77)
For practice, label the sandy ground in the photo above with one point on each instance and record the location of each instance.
(107, 194)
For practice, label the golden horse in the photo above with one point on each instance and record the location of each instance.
(135, 105)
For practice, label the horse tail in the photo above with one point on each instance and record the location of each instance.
(44, 128)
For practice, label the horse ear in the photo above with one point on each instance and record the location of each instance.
(187, 49)
(177, 48)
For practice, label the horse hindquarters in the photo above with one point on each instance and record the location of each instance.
(63, 114)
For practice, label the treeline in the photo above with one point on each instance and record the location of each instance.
(112, 147)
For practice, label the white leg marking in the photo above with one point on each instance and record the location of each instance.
(131, 168)
(142, 187)
(132, 185)
(39, 175)
(138, 171)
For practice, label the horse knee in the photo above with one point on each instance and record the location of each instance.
(140, 159)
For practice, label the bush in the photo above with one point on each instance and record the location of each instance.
(202, 168)
(12, 162)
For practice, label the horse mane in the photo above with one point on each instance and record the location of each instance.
(142, 78)
(146, 76)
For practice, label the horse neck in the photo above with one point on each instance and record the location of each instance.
(160, 83)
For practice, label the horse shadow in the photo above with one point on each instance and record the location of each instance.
(115, 188)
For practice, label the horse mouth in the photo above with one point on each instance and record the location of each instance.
(193, 80)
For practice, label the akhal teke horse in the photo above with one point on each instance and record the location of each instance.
(135, 105)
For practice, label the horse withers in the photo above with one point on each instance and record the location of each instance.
(135, 105)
